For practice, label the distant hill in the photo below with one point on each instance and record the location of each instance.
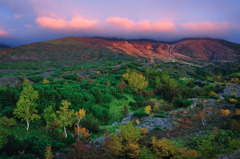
(3, 46)
(100, 49)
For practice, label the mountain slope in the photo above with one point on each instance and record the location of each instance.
(98, 49)
(2, 46)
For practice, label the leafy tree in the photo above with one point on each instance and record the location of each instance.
(135, 80)
(26, 106)
(79, 116)
(65, 117)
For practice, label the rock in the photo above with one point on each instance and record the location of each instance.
(115, 123)
(127, 118)
(229, 89)
(152, 123)
(99, 142)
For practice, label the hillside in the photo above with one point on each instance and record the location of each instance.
(77, 49)
(170, 107)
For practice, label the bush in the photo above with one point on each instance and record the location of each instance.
(145, 153)
(70, 77)
(91, 123)
(140, 114)
(165, 148)
(212, 94)
(36, 79)
(182, 103)
(232, 100)
(160, 115)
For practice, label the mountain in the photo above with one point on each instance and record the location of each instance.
(2, 46)
(99, 49)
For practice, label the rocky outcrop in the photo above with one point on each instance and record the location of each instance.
(152, 123)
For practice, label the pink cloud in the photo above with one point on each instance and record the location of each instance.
(162, 25)
(206, 26)
(61, 23)
(2, 32)
(124, 23)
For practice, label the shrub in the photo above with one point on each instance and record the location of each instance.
(212, 94)
(126, 143)
(139, 114)
(182, 103)
(165, 148)
(145, 153)
(36, 78)
(91, 124)
(232, 100)
(160, 115)
(135, 80)
(70, 77)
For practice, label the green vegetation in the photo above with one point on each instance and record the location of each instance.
(69, 106)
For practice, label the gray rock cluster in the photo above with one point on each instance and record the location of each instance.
(152, 123)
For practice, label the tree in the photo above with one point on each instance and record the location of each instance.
(65, 117)
(79, 116)
(135, 80)
(26, 106)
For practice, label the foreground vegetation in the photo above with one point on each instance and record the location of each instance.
(58, 114)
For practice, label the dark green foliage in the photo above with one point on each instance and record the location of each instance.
(236, 116)
(91, 123)
(238, 104)
(160, 115)
(179, 103)
(36, 79)
(70, 77)
(8, 112)
(139, 114)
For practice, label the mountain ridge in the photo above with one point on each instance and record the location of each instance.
(83, 48)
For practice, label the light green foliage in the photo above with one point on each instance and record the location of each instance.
(26, 106)
(126, 143)
(212, 94)
(65, 116)
(135, 80)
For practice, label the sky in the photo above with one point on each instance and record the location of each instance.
(28, 21)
